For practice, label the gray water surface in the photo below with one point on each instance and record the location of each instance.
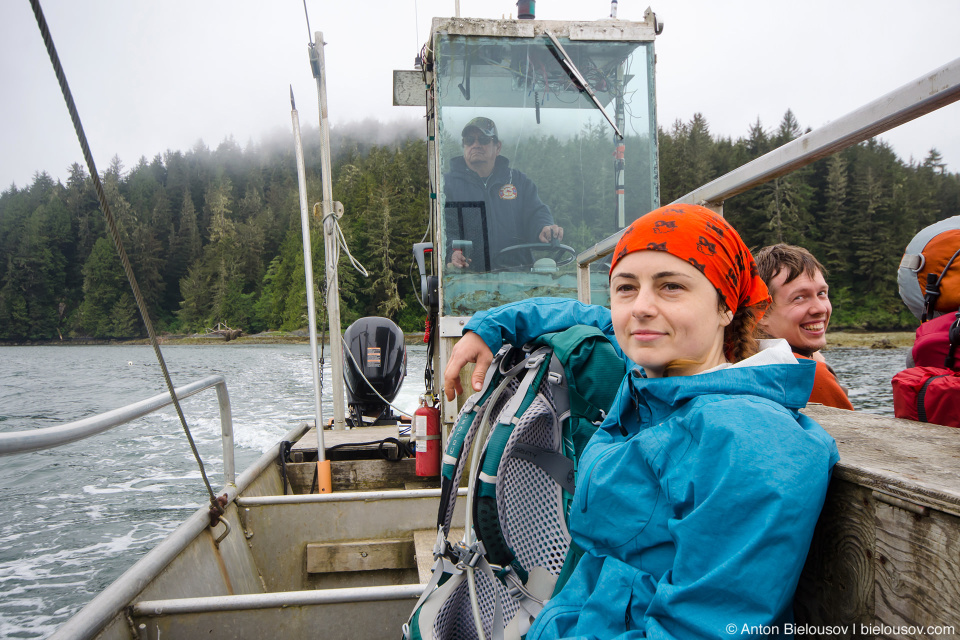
(75, 518)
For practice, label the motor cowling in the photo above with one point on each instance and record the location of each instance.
(375, 363)
(426, 428)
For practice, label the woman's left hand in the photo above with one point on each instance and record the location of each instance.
(470, 348)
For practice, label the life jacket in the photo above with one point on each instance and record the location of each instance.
(538, 407)
(929, 282)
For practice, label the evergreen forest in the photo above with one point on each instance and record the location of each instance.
(214, 235)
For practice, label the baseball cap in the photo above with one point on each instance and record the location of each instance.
(483, 125)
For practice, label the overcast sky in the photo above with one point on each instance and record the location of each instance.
(153, 76)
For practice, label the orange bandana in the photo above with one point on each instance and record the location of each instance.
(708, 242)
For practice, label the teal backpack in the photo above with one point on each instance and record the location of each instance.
(538, 407)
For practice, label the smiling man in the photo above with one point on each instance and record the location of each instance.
(800, 313)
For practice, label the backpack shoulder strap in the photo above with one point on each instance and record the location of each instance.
(953, 335)
(503, 369)
(594, 372)
(483, 493)
(536, 366)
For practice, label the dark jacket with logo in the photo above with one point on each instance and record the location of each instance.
(511, 213)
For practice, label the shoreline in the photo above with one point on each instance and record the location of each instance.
(835, 340)
(872, 340)
(267, 337)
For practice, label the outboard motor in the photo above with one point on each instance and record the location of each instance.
(375, 362)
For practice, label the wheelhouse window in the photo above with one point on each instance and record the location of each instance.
(525, 152)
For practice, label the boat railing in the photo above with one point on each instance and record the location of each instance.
(924, 95)
(94, 617)
(49, 437)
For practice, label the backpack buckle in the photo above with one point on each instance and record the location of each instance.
(441, 547)
(469, 556)
(514, 585)
(534, 361)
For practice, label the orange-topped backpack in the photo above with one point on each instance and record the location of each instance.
(929, 283)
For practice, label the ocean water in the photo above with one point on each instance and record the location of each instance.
(75, 518)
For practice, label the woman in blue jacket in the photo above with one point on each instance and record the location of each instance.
(697, 498)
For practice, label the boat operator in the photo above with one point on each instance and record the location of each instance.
(491, 206)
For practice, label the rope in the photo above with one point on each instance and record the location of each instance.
(403, 449)
(340, 244)
(216, 506)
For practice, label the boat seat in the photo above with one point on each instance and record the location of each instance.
(377, 554)
(360, 555)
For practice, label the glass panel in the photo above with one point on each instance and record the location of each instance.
(554, 161)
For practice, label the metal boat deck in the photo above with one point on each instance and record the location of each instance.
(351, 564)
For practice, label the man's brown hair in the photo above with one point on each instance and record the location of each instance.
(773, 259)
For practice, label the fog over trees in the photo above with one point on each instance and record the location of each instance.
(214, 234)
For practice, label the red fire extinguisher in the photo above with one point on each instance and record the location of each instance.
(426, 428)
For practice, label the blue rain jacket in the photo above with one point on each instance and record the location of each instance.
(696, 499)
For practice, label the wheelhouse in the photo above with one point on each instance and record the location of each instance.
(574, 109)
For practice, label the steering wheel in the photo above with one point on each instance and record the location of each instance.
(563, 254)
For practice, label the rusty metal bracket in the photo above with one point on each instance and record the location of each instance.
(226, 532)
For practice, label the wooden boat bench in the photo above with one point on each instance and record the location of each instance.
(355, 466)
(887, 546)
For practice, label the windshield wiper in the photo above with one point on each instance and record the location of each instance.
(567, 63)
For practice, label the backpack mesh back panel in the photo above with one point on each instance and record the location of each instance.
(529, 501)
(455, 619)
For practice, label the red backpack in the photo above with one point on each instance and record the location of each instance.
(933, 342)
(930, 392)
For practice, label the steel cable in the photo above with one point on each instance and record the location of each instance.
(115, 235)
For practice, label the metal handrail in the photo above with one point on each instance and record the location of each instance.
(275, 600)
(46, 438)
(90, 621)
(924, 95)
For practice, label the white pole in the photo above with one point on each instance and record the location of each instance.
(330, 245)
(308, 273)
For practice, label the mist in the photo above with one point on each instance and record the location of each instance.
(360, 135)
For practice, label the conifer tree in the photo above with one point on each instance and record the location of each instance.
(203, 254)
(834, 219)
